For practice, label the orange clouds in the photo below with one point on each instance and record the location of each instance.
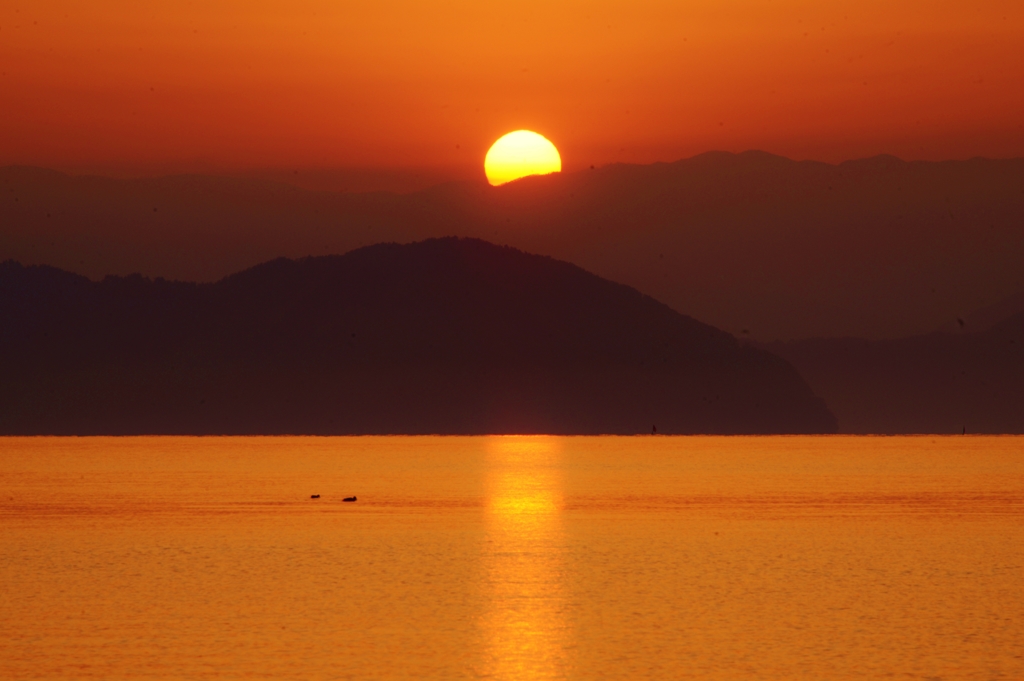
(235, 84)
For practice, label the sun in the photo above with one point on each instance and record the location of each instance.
(519, 154)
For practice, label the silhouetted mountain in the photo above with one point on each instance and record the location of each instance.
(877, 248)
(442, 336)
(937, 383)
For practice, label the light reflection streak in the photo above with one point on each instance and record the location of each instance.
(524, 625)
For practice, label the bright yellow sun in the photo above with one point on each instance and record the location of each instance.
(519, 154)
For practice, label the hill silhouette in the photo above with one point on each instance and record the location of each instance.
(441, 336)
(755, 243)
(933, 383)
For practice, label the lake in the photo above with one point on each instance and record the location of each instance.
(512, 558)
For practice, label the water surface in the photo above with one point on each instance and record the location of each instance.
(512, 558)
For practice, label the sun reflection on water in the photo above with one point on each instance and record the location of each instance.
(524, 625)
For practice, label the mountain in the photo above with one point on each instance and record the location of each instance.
(759, 245)
(441, 336)
(934, 383)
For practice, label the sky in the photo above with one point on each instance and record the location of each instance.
(227, 85)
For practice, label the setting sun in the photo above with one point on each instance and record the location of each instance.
(519, 154)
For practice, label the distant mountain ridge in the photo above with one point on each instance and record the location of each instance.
(441, 336)
(751, 242)
(969, 382)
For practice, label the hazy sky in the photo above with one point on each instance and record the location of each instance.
(234, 84)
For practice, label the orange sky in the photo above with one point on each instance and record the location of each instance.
(234, 84)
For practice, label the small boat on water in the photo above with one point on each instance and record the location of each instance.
(314, 496)
(349, 499)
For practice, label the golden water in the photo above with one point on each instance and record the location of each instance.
(512, 558)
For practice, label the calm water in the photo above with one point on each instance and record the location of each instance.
(512, 558)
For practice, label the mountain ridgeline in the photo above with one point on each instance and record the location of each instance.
(758, 245)
(442, 336)
(933, 383)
